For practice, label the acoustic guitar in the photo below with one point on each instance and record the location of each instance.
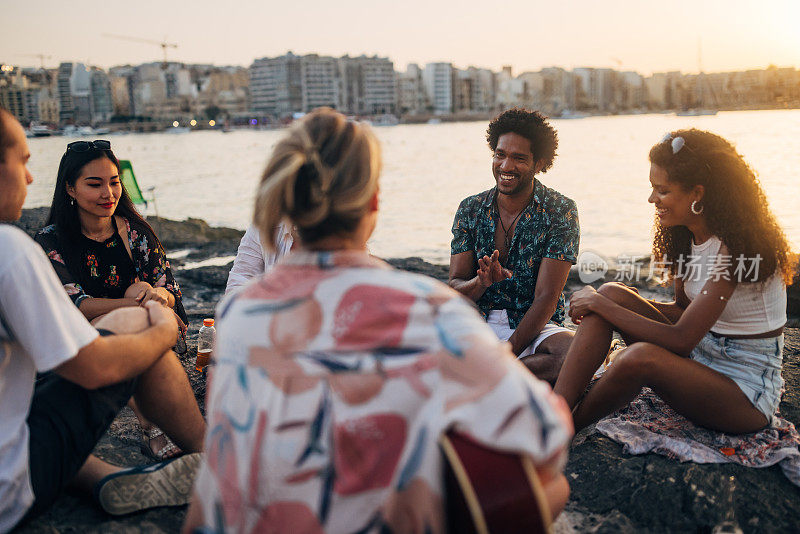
(489, 491)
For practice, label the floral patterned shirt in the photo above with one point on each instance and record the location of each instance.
(547, 228)
(334, 377)
(150, 265)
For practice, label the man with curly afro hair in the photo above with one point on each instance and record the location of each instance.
(513, 245)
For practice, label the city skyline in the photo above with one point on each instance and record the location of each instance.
(620, 34)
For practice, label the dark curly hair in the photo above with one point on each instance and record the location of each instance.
(734, 205)
(531, 125)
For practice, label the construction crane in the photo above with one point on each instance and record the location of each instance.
(41, 57)
(163, 44)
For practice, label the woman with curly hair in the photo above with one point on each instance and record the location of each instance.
(715, 353)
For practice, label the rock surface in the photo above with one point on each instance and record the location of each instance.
(610, 491)
(613, 492)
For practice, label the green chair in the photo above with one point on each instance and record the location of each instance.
(132, 186)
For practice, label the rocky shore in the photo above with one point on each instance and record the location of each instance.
(611, 491)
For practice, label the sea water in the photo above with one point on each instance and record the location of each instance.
(428, 169)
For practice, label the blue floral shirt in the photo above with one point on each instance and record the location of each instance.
(547, 228)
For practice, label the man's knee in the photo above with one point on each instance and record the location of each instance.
(557, 343)
(545, 366)
(128, 320)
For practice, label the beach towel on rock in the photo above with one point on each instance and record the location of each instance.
(648, 424)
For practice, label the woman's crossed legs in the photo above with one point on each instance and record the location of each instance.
(697, 392)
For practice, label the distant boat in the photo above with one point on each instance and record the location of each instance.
(83, 131)
(696, 112)
(434, 121)
(178, 130)
(569, 114)
(384, 120)
(39, 130)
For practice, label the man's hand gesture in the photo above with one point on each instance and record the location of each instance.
(490, 270)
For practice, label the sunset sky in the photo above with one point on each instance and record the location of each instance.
(640, 35)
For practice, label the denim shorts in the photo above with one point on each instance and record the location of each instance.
(754, 364)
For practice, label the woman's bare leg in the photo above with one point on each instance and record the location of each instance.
(165, 397)
(592, 340)
(159, 442)
(143, 422)
(91, 472)
(164, 394)
(697, 392)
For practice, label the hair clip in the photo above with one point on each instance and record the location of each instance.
(676, 142)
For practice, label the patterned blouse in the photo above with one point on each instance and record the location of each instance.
(150, 265)
(547, 228)
(335, 375)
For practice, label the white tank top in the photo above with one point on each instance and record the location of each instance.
(753, 308)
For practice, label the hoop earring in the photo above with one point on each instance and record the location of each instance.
(694, 208)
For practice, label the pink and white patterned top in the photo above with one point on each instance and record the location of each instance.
(335, 376)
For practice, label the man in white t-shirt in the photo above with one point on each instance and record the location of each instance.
(50, 424)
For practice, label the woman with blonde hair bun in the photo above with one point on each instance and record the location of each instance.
(322, 177)
(335, 374)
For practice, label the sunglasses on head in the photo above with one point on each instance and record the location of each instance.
(85, 146)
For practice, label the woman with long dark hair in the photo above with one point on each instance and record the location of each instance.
(104, 252)
(715, 353)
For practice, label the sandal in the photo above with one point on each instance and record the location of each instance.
(616, 347)
(169, 450)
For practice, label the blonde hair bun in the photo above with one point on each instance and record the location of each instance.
(321, 176)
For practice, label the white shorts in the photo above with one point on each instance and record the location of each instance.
(498, 321)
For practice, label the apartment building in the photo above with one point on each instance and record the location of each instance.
(275, 86)
(282, 86)
(101, 103)
(369, 85)
(411, 96)
(438, 80)
(84, 95)
(320, 83)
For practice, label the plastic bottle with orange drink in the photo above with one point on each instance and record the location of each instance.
(205, 344)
